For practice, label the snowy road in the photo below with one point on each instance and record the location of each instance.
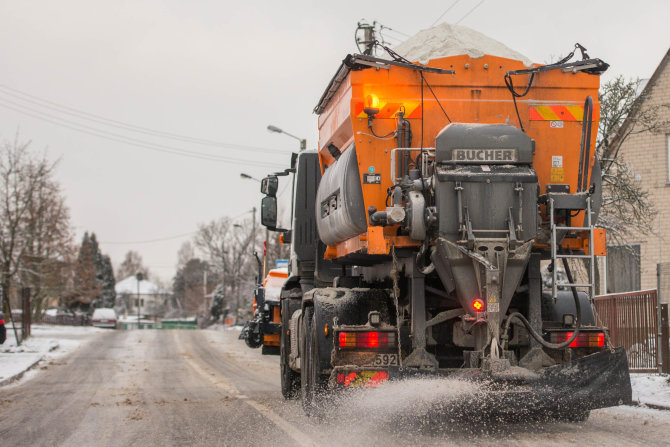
(207, 388)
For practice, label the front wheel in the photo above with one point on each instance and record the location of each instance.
(290, 380)
(313, 383)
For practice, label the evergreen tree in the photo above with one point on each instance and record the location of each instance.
(94, 276)
(217, 303)
(107, 282)
(87, 287)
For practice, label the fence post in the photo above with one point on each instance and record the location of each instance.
(665, 340)
(660, 355)
(26, 317)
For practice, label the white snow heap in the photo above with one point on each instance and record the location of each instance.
(129, 286)
(452, 40)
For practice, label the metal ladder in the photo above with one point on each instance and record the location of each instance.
(555, 256)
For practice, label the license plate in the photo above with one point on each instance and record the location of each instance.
(386, 360)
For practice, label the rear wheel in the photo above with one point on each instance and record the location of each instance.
(290, 380)
(313, 383)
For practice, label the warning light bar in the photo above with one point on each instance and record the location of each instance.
(360, 339)
(583, 340)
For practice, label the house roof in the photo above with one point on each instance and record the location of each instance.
(641, 94)
(129, 285)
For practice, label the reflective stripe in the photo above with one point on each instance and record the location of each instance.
(555, 113)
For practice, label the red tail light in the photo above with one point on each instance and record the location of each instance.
(478, 305)
(367, 339)
(2, 321)
(583, 340)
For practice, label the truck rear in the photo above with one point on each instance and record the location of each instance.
(420, 225)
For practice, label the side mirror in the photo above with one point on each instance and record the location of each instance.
(269, 211)
(269, 185)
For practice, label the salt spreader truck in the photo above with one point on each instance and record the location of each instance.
(419, 226)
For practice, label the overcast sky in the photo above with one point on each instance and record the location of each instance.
(222, 71)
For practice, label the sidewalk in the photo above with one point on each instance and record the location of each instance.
(47, 341)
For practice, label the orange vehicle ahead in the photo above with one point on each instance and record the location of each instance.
(263, 330)
(420, 225)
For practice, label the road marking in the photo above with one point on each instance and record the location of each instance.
(222, 382)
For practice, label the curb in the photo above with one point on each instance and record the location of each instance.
(17, 376)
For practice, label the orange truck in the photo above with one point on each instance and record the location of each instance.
(419, 226)
(263, 329)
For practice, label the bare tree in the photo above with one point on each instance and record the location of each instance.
(185, 254)
(229, 247)
(34, 223)
(625, 111)
(131, 265)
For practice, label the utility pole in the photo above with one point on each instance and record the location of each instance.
(139, 277)
(204, 290)
(253, 229)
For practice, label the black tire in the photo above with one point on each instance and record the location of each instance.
(290, 380)
(313, 384)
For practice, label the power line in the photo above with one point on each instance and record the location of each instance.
(150, 241)
(445, 12)
(59, 121)
(388, 28)
(470, 12)
(23, 96)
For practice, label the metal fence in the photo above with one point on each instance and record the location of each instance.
(632, 321)
(67, 319)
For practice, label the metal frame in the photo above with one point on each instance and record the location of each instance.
(555, 255)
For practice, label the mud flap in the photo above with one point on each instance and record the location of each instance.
(596, 381)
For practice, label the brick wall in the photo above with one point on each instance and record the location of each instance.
(647, 154)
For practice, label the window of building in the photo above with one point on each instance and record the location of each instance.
(667, 139)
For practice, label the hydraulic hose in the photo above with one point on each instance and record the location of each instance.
(538, 337)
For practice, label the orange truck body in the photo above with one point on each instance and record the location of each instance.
(551, 115)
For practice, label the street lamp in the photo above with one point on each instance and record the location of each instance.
(139, 277)
(247, 176)
(303, 142)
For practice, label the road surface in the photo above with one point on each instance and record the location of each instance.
(165, 388)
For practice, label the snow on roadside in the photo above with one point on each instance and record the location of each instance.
(46, 343)
(652, 389)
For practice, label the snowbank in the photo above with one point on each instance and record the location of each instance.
(46, 343)
(451, 40)
(651, 389)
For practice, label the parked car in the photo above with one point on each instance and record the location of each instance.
(104, 317)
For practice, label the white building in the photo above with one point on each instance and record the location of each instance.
(151, 297)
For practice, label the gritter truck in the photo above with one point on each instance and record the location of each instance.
(420, 224)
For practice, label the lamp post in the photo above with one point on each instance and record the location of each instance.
(303, 142)
(139, 277)
(247, 176)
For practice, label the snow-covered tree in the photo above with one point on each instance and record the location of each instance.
(218, 303)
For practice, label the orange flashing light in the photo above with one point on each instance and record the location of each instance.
(372, 102)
